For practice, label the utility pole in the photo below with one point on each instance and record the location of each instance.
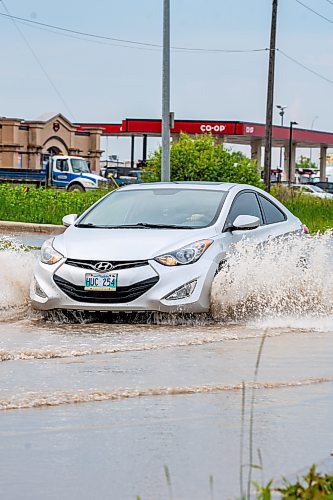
(270, 99)
(165, 171)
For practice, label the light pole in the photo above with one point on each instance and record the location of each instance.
(290, 149)
(165, 170)
(282, 111)
(310, 155)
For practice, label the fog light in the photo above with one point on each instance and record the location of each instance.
(182, 292)
(39, 291)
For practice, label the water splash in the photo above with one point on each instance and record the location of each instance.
(121, 317)
(288, 276)
(16, 264)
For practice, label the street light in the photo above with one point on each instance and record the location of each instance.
(290, 148)
(282, 109)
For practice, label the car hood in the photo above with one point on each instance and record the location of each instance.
(125, 244)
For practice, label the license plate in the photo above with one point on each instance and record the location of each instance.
(105, 281)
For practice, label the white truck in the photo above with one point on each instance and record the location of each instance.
(65, 172)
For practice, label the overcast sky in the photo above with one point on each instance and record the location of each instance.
(109, 81)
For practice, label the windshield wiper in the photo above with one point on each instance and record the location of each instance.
(139, 225)
(152, 226)
(90, 225)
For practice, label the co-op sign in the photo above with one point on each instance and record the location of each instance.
(226, 128)
(217, 128)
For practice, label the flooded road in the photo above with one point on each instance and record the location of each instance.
(99, 409)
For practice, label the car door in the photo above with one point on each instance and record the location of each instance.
(245, 203)
(273, 221)
(60, 174)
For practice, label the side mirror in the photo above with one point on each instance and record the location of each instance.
(245, 222)
(68, 220)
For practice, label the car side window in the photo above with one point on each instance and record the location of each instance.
(272, 213)
(245, 204)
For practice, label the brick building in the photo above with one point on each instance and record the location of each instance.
(27, 143)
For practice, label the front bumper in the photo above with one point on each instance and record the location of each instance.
(156, 282)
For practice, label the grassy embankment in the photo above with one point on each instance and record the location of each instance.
(43, 206)
(48, 206)
(316, 213)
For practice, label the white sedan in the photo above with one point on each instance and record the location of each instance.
(312, 190)
(153, 247)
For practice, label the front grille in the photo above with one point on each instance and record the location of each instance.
(121, 295)
(120, 264)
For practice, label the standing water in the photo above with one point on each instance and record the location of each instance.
(93, 407)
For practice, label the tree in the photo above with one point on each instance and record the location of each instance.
(304, 162)
(202, 159)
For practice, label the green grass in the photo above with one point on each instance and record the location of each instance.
(48, 206)
(43, 206)
(313, 486)
(316, 213)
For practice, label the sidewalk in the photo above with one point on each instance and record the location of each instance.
(27, 227)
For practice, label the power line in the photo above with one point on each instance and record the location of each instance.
(225, 51)
(305, 67)
(38, 60)
(76, 32)
(134, 42)
(116, 44)
(329, 1)
(100, 39)
(315, 12)
(77, 37)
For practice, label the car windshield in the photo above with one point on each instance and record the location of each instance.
(79, 165)
(167, 207)
(316, 189)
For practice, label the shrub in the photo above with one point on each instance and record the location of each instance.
(202, 159)
(312, 486)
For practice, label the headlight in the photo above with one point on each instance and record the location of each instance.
(48, 255)
(185, 255)
(87, 183)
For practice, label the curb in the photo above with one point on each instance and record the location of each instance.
(28, 227)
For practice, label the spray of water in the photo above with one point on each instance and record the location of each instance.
(16, 264)
(289, 276)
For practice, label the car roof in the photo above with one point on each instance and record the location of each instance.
(216, 186)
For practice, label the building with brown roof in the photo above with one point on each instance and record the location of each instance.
(27, 143)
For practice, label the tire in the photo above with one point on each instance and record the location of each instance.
(75, 187)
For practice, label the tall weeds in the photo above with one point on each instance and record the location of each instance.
(48, 206)
(316, 213)
(43, 206)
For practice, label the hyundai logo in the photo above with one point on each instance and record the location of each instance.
(103, 267)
